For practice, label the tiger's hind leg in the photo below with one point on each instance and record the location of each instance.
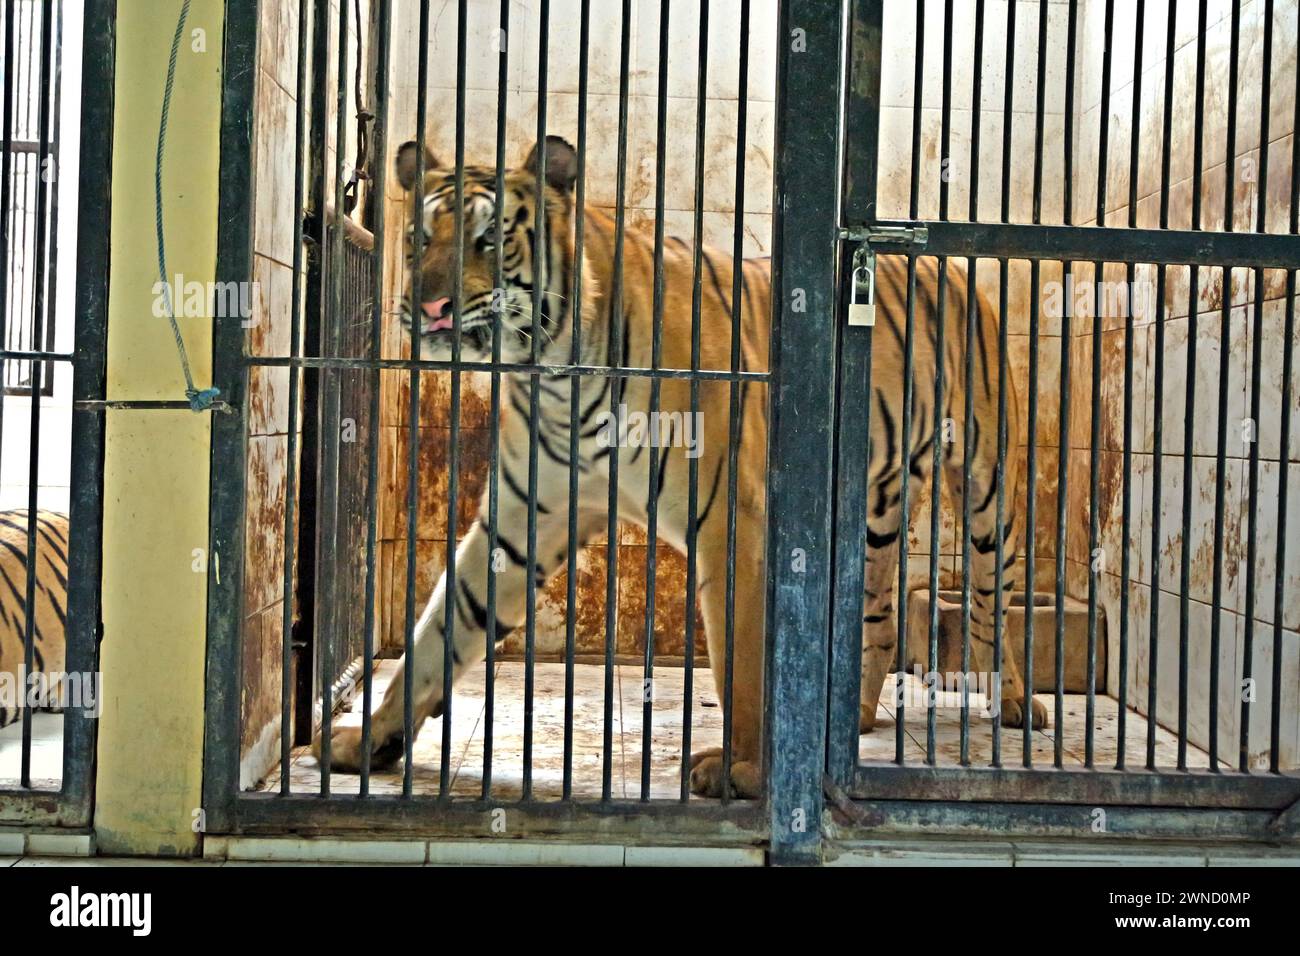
(746, 702)
(984, 573)
(879, 633)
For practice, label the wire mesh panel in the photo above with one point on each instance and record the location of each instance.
(553, 526)
(340, 575)
(51, 405)
(1084, 285)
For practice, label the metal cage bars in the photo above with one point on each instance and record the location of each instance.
(70, 805)
(804, 165)
(250, 810)
(958, 790)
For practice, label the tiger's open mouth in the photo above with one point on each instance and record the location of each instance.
(475, 333)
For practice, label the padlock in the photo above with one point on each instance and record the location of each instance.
(863, 313)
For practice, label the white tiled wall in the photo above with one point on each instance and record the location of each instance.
(522, 43)
(1231, 542)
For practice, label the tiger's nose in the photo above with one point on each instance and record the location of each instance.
(438, 308)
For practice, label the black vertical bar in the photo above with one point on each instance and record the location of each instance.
(540, 283)
(6, 171)
(973, 316)
(413, 412)
(1189, 412)
(38, 370)
(802, 444)
(693, 465)
(377, 202)
(1063, 421)
(1126, 493)
(1284, 456)
(449, 655)
(1158, 403)
(53, 157)
(313, 379)
(1094, 452)
(936, 476)
(736, 397)
(853, 404)
(1003, 286)
(909, 399)
(575, 394)
(228, 481)
(1279, 585)
(1031, 480)
(1225, 348)
(617, 359)
(331, 411)
(291, 460)
(1256, 365)
(85, 514)
(656, 354)
(494, 425)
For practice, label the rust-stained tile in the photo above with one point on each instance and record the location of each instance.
(273, 136)
(1273, 350)
(1277, 199)
(1049, 363)
(670, 603)
(432, 480)
(268, 401)
(1269, 523)
(271, 299)
(1045, 484)
(264, 523)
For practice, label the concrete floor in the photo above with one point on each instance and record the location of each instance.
(47, 752)
(469, 726)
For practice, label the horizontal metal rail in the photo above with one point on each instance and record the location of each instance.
(22, 355)
(1089, 243)
(1038, 820)
(1096, 786)
(736, 822)
(520, 368)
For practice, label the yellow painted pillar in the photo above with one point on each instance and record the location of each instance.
(150, 751)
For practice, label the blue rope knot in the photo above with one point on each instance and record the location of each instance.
(202, 401)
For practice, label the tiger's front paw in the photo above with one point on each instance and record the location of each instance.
(707, 781)
(346, 750)
(1013, 714)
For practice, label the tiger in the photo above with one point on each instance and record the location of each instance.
(51, 605)
(483, 307)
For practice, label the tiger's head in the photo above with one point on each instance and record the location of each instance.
(428, 303)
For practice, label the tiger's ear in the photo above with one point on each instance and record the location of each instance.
(406, 167)
(561, 163)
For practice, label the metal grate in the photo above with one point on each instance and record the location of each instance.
(341, 579)
(825, 431)
(1096, 463)
(31, 156)
(29, 172)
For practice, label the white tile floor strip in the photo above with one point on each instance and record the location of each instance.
(295, 851)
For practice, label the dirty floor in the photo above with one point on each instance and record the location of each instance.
(469, 731)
